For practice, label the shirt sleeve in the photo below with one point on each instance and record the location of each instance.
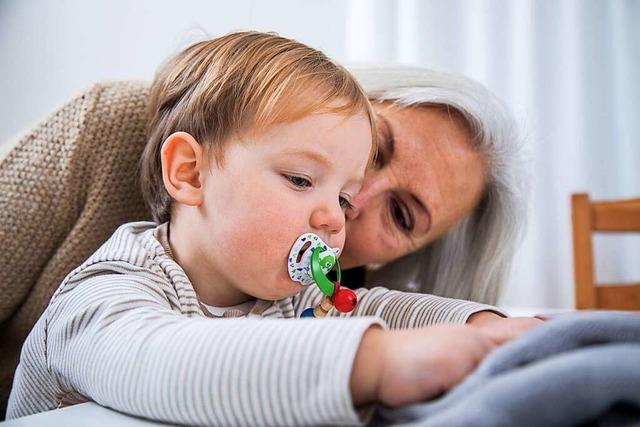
(116, 340)
(401, 309)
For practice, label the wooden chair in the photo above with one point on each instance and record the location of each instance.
(603, 216)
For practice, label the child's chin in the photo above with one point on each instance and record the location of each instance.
(292, 288)
(285, 289)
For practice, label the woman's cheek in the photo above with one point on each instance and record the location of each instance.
(369, 243)
(337, 241)
(356, 248)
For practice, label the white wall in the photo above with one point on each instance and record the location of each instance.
(568, 68)
(53, 49)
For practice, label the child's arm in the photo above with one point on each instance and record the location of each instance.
(412, 310)
(116, 340)
(401, 309)
(404, 366)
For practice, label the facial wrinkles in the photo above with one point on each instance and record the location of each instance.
(411, 165)
(430, 163)
(387, 184)
(381, 185)
(411, 239)
(412, 156)
(461, 176)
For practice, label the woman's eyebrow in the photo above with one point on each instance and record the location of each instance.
(390, 140)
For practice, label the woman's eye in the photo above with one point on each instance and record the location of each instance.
(345, 203)
(401, 216)
(298, 181)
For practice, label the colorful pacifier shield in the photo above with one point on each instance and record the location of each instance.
(300, 270)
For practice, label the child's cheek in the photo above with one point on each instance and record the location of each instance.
(270, 225)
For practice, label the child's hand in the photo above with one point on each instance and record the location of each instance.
(407, 366)
(500, 329)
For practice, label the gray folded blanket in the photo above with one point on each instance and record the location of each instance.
(576, 369)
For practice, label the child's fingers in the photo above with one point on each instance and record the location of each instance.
(501, 331)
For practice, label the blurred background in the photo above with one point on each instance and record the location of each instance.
(568, 69)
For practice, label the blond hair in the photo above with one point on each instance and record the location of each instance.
(238, 83)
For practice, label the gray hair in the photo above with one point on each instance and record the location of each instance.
(473, 260)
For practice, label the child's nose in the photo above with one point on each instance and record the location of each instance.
(330, 219)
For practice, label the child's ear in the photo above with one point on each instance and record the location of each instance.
(182, 163)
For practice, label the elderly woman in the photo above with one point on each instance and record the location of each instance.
(444, 207)
(440, 213)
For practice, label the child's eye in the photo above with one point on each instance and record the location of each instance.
(345, 203)
(298, 181)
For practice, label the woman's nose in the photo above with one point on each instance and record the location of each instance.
(373, 185)
(330, 219)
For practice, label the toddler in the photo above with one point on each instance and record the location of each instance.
(256, 143)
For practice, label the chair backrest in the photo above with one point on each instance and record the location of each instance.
(601, 216)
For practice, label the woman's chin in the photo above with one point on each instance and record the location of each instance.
(347, 262)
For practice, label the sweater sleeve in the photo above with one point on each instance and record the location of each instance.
(401, 309)
(65, 186)
(115, 340)
(37, 203)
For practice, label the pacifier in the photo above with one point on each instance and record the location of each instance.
(310, 259)
(300, 258)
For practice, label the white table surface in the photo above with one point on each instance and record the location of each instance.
(82, 415)
(533, 311)
(92, 414)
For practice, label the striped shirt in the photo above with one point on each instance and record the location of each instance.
(126, 330)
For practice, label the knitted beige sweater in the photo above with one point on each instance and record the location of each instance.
(64, 189)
